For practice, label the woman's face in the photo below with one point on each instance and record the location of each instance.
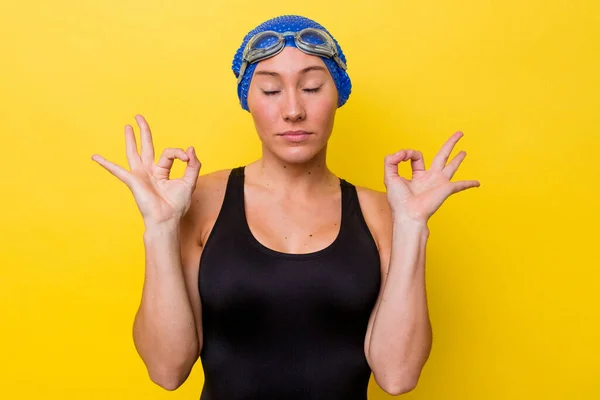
(293, 100)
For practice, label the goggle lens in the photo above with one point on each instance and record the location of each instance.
(314, 38)
(268, 39)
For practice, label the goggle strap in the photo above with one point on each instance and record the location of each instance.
(339, 62)
(242, 70)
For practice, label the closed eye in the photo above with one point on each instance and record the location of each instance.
(273, 92)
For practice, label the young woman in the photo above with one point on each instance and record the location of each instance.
(287, 281)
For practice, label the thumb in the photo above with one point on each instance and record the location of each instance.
(190, 176)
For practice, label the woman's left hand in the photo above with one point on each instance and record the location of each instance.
(418, 198)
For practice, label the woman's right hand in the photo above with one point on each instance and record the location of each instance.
(158, 198)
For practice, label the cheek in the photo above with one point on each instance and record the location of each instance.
(323, 109)
(263, 112)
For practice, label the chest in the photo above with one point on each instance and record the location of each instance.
(291, 225)
(274, 280)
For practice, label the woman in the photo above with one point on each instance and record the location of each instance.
(287, 281)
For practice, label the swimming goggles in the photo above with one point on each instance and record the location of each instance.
(269, 43)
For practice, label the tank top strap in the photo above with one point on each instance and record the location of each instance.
(238, 172)
(349, 199)
(235, 185)
(237, 189)
(233, 196)
(352, 214)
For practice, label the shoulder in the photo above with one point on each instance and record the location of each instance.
(378, 216)
(207, 199)
(210, 187)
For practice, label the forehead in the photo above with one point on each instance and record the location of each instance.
(290, 61)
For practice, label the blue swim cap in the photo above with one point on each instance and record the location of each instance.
(290, 23)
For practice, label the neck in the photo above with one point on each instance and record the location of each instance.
(284, 177)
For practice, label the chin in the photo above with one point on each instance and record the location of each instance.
(297, 154)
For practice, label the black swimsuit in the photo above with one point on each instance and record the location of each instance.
(286, 326)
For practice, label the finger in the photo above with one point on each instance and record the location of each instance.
(450, 169)
(167, 158)
(190, 176)
(121, 173)
(146, 140)
(391, 162)
(417, 162)
(439, 162)
(464, 185)
(133, 157)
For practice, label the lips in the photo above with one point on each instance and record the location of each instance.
(295, 133)
(295, 136)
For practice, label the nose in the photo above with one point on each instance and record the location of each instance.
(293, 108)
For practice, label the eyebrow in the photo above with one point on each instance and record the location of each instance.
(303, 71)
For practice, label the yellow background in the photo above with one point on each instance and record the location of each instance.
(513, 270)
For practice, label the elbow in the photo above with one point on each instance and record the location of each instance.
(400, 387)
(168, 379)
(168, 384)
(397, 385)
(170, 373)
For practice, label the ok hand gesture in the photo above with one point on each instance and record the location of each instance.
(418, 198)
(159, 198)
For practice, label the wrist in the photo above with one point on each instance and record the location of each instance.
(409, 221)
(160, 228)
(406, 224)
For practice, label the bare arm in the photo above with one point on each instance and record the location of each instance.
(400, 333)
(167, 329)
(169, 339)
(171, 351)
(398, 339)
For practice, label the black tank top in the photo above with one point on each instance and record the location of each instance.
(286, 326)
